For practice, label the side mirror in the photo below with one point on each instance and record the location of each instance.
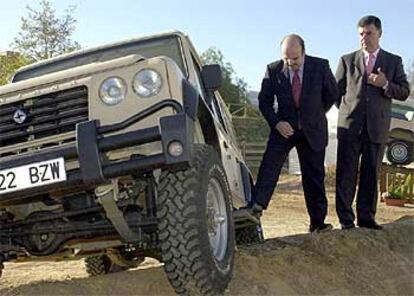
(212, 77)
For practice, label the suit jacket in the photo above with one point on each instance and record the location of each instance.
(319, 92)
(361, 104)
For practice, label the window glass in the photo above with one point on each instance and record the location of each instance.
(164, 46)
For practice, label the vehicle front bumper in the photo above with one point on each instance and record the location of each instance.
(92, 142)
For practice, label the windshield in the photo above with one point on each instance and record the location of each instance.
(403, 112)
(163, 46)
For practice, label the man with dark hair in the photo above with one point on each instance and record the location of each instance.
(370, 20)
(305, 90)
(368, 79)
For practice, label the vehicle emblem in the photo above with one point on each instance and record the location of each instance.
(19, 116)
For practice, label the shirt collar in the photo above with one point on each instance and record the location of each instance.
(290, 72)
(375, 53)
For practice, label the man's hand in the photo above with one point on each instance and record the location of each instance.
(285, 129)
(378, 80)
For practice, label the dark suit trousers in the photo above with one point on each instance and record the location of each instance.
(351, 154)
(312, 168)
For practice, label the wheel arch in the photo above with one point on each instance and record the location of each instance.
(401, 134)
(208, 127)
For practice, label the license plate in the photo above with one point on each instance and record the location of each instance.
(32, 175)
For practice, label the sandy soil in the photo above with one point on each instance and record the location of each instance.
(290, 262)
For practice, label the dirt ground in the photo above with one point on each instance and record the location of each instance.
(290, 262)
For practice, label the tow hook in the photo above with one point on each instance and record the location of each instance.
(107, 195)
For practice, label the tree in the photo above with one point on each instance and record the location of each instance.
(234, 92)
(234, 89)
(43, 34)
(411, 79)
(9, 63)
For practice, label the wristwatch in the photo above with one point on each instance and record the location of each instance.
(385, 86)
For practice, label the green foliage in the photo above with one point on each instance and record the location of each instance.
(251, 130)
(411, 79)
(234, 89)
(234, 93)
(43, 34)
(400, 191)
(9, 63)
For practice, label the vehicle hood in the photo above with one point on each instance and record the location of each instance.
(67, 75)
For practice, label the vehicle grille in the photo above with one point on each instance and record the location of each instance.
(48, 115)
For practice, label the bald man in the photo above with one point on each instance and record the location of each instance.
(305, 89)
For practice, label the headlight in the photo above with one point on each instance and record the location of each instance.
(147, 83)
(112, 91)
(175, 148)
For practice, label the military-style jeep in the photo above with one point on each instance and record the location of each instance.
(400, 147)
(123, 152)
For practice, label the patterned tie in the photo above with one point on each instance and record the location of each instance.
(370, 64)
(296, 88)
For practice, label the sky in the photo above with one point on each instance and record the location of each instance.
(248, 33)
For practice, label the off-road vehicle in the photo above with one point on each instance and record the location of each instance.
(122, 152)
(400, 147)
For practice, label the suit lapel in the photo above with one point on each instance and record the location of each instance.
(308, 68)
(285, 88)
(359, 62)
(283, 79)
(379, 62)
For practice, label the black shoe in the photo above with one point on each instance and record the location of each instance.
(347, 226)
(370, 225)
(255, 209)
(320, 228)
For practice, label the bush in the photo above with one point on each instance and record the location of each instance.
(401, 190)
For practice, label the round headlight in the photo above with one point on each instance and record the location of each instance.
(112, 91)
(175, 148)
(147, 83)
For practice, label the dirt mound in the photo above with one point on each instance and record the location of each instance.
(353, 262)
(357, 261)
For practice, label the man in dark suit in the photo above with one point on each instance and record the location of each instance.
(305, 90)
(367, 80)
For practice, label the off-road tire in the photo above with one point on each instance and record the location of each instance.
(189, 262)
(399, 152)
(102, 264)
(249, 235)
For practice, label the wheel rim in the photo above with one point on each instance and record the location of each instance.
(399, 152)
(217, 220)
